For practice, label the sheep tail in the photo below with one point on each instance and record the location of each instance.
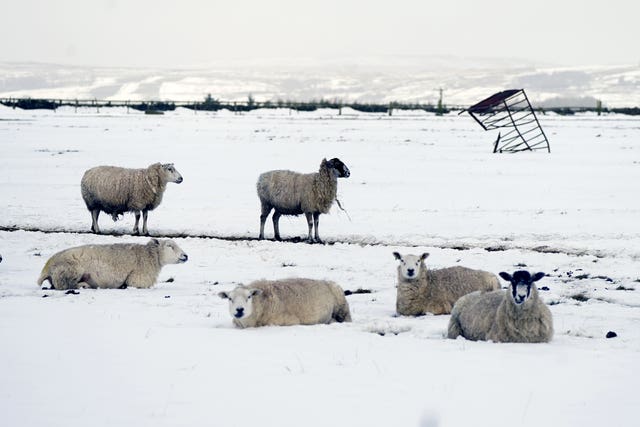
(342, 209)
(44, 275)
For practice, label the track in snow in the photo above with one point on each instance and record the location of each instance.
(489, 247)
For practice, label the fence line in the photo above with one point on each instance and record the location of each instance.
(211, 104)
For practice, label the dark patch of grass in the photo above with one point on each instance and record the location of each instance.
(287, 264)
(497, 248)
(605, 278)
(357, 291)
(622, 288)
(520, 264)
(580, 297)
(169, 280)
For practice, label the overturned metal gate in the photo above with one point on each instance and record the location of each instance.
(510, 110)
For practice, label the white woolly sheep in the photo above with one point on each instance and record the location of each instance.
(515, 315)
(422, 291)
(287, 302)
(116, 190)
(111, 266)
(293, 193)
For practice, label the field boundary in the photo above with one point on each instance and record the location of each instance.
(486, 246)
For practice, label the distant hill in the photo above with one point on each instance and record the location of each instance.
(380, 80)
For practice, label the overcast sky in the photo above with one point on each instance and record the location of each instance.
(187, 33)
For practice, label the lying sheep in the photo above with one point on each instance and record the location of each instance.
(115, 191)
(293, 193)
(111, 266)
(515, 315)
(423, 291)
(287, 302)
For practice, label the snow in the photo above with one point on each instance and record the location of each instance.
(419, 183)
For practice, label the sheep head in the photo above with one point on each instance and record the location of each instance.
(169, 251)
(337, 167)
(171, 174)
(521, 283)
(240, 301)
(410, 264)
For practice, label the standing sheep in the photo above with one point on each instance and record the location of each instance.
(293, 193)
(421, 290)
(115, 191)
(111, 266)
(287, 302)
(515, 315)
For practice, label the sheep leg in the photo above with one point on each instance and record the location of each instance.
(316, 221)
(136, 230)
(95, 213)
(145, 213)
(309, 216)
(266, 210)
(276, 226)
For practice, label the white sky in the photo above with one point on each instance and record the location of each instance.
(186, 33)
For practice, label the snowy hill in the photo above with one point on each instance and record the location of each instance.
(371, 79)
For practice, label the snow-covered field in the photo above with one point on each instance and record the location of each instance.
(170, 356)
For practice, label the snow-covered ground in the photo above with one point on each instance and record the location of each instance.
(170, 356)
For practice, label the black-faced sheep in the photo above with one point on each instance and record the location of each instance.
(116, 190)
(422, 291)
(293, 193)
(515, 315)
(111, 266)
(287, 302)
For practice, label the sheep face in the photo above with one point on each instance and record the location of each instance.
(340, 169)
(240, 301)
(170, 252)
(521, 283)
(410, 264)
(171, 174)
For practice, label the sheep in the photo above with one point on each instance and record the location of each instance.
(293, 193)
(111, 266)
(515, 315)
(116, 190)
(287, 302)
(422, 291)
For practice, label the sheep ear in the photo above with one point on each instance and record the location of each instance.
(537, 276)
(255, 292)
(505, 276)
(397, 256)
(223, 295)
(155, 242)
(424, 256)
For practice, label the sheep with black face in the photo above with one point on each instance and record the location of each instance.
(292, 193)
(514, 315)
